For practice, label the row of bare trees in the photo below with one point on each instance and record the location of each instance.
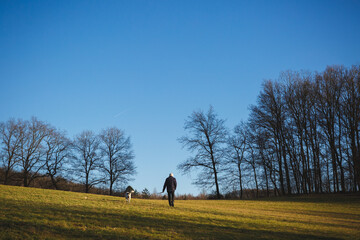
(38, 149)
(302, 136)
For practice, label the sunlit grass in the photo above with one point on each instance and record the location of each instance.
(28, 213)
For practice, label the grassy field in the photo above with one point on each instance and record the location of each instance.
(28, 213)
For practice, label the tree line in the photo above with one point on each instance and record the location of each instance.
(301, 136)
(36, 149)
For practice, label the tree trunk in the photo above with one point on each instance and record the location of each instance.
(53, 180)
(240, 180)
(111, 188)
(256, 182)
(6, 176)
(281, 177)
(266, 181)
(215, 175)
(286, 172)
(87, 186)
(217, 185)
(26, 176)
(214, 169)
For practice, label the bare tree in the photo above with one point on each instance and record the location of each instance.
(207, 137)
(11, 134)
(251, 160)
(260, 142)
(312, 124)
(31, 150)
(117, 156)
(57, 150)
(237, 146)
(301, 129)
(270, 116)
(330, 92)
(351, 122)
(87, 159)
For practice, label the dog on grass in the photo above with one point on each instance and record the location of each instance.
(128, 196)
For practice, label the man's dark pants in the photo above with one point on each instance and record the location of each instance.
(171, 196)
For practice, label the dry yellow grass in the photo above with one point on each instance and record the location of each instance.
(28, 213)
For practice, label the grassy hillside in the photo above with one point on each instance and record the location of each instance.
(28, 213)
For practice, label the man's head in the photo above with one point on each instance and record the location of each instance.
(171, 174)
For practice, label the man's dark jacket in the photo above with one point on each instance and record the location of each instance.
(170, 184)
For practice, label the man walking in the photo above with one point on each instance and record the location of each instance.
(170, 184)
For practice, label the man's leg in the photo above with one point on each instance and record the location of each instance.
(169, 198)
(172, 198)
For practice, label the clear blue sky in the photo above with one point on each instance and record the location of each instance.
(144, 66)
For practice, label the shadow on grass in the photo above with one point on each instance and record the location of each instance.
(38, 221)
(317, 198)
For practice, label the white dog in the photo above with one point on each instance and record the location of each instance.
(128, 196)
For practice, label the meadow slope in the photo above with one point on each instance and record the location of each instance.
(28, 213)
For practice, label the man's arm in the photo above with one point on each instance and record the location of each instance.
(164, 186)
(175, 183)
